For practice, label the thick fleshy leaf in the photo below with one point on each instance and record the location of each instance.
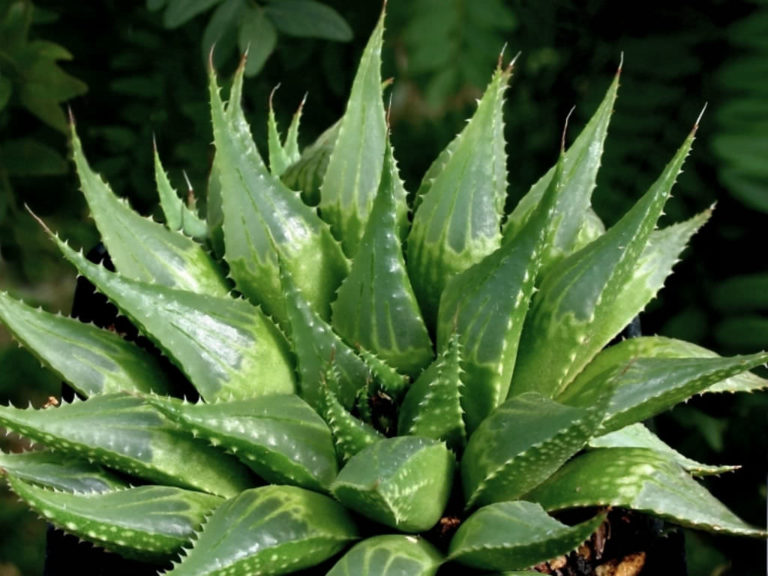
(140, 248)
(145, 523)
(91, 360)
(580, 167)
(646, 386)
(354, 167)
(512, 535)
(487, 304)
(125, 433)
(375, 306)
(178, 216)
(282, 155)
(60, 472)
(638, 436)
(263, 218)
(389, 555)
(432, 405)
(522, 443)
(458, 219)
(633, 349)
(279, 437)
(306, 174)
(315, 345)
(350, 435)
(270, 530)
(579, 307)
(400, 482)
(656, 262)
(639, 479)
(226, 347)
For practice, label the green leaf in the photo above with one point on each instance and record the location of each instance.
(126, 434)
(579, 307)
(375, 307)
(642, 480)
(638, 436)
(45, 84)
(655, 263)
(457, 222)
(646, 386)
(580, 168)
(381, 483)
(227, 348)
(145, 523)
(632, 349)
(221, 31)
(256, 37)
(350, 435)
(315, 345)
(29, 157)
(354, 167)
(263, 219)
(432, 405)
(307, 18)
(389, 555)
(269, 530)
(307, 173)
(278, 157)
(522, 443)
(513, 535)
(92, 360)
(60, 472)
(180, 11)
(279, 437)
(140, 248)
(177, 215)
(487, 305)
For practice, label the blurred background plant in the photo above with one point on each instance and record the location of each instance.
(144, 66)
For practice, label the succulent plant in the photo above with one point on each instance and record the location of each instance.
(379, 393)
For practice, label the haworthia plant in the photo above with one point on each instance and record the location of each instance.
(377, 397)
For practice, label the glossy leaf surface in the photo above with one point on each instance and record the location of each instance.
(263, 218)
(389, 555)
(642, 480)
(354, 167)
(634, 349)
(400, 482)
(146, 522)
(91, 360)
(432, 405)
(521, 444)
(140, 248)
(457, 221)
(124, 433)
(178, 216)
(512, 535)
(580, 167)
(270, 530)
(647, 386)
(638, 436)
(226, 347)
(375, 307)
(279, 437)
(487, 305)
(579, 308)
(315, 346)
(60, 472)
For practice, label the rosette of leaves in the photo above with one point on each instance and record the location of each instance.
(369, 381)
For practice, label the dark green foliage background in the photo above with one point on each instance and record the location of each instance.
(145, 80)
